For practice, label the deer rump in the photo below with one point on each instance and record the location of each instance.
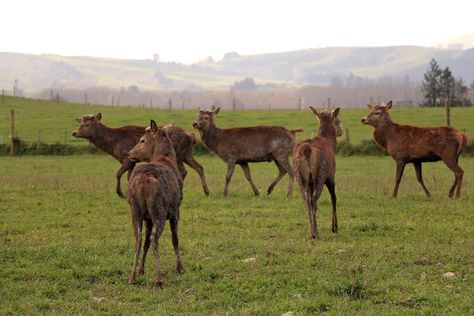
(311, 164)
(156, 183)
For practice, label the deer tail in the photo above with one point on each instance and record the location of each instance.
(296, 130)
(304, 159)
(462, 141)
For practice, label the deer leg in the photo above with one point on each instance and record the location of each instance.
(309, 207)
(230, 171)
(158, 226)
(281, 172)
(127, 165)
(146, 245)
(246, 169)
(182, 171)
(331, 185)
(137, 230)
(314, 203)
(419, 177)
(400, 168)
(190, 161)
(458, 175)
(174, 238)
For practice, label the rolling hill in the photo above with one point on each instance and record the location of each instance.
(311, 66)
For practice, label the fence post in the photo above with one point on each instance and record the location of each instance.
(299, 103)
(12, 132)
(233, 104)
(118, 101)
(151, 104)
(448, 112)
(329, 103)
(170, 104)
(40, 140)
(113, 100)
(85, 98)
(51, 97)
(3, 95)
(57, 97)
(348, 140)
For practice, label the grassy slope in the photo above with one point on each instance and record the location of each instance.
(57, 120)
(66, 238)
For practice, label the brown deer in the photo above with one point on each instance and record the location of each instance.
(314, 163)
(248, 144)
(118, 141)
(155, 191)
(411, 144)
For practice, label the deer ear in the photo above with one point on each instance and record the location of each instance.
(388, 106)
(169, 124)
(314, 111)
(335, 112)
(153, 126)
(98, 116)
(216, 111)
(370, 106)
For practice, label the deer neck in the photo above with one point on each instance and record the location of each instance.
(210, 136)
(327, 132)
(104, 138)
(384, 132)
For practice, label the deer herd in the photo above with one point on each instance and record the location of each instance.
(155, 188)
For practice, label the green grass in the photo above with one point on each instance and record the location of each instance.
(66, 240)
(56, 120)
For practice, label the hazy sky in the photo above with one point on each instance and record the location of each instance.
(186, 31)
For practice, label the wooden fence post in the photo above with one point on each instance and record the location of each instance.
(299, 103)
(233, 104)
(348, 140)
(3, 95)
(57, 97)
(329, 103)
(170, 104)
(12, 132)
(448, 112)
(40, 140)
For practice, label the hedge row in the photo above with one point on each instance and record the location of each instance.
(365, 148)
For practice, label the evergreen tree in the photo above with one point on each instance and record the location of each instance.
(431, 84)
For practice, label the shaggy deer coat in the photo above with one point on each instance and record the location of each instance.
(154, 195)
(314, 163)
(248, 144)
(411, 144)
(118, 141)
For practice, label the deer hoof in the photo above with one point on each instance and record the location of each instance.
(180, 269)
(158, 283)
(132, 281)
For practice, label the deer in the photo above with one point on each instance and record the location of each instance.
(155, 191)
(118, 141)
(244, 145)
(314, 164)
(412, 144)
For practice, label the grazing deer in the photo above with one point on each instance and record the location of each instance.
(314, 162)
(154, 194)
(248, 144)
(118, 141)
(411, 144)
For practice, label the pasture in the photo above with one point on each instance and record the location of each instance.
(67, 243)
(56, 120)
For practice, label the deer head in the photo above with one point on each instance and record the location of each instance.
(155, 143)
(378, 115)
(205, 119)
(329, 119)
(87, 126)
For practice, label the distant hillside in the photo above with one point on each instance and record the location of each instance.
(311, 66)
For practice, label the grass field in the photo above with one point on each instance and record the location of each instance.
(66, 239)
(56, 121)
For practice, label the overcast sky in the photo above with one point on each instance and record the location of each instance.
(187, 31)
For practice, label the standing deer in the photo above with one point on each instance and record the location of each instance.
(314, 162)
(411, 144)
(118, 141)
(155, 191)
(248, 144)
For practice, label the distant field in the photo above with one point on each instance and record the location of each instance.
(66, 242)
(56, 120)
